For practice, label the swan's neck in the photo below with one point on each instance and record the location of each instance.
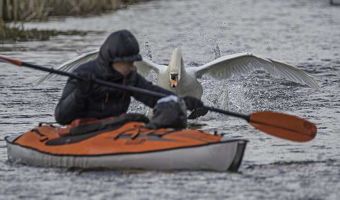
(176, 68)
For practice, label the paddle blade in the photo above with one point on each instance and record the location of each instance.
(10, 60)
(284, 126)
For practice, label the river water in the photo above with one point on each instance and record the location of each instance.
(305, 33)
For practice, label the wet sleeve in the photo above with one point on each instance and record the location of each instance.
(69, 106)
(148, 99)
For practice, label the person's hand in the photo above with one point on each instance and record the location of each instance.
(192, 103)
(198, 112)
(196, 106)
(85, 86)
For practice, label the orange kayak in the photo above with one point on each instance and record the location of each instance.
(127, 146)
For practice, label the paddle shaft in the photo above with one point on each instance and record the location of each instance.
(243, 116)
(128, 88)
(115, 85)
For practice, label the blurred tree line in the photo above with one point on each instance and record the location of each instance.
(28, 10)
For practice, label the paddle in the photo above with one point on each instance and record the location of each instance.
(277, 124)
(273, 123)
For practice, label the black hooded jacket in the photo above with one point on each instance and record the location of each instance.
(103, 101)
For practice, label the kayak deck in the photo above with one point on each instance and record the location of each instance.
(131, 146)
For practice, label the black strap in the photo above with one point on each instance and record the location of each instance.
(84, 132)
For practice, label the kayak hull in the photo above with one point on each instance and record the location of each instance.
(223, 156)
(124, 148)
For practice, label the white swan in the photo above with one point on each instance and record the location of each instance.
(183, 80)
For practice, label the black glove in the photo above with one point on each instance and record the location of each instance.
(192, 103)
(84, 86)
(196, 106)
(197, 113)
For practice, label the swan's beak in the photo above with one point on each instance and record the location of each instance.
(173, 80)
(173, 83)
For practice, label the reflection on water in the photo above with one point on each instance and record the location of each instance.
(304, 33)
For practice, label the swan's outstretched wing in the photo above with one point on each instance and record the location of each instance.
(241, 63)
(143, 66)
(72, 64)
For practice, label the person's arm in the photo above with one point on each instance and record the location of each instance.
(147, 99)
(70, 105)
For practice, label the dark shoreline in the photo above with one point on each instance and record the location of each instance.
(41, 10)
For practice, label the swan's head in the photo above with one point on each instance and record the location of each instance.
(175, 67)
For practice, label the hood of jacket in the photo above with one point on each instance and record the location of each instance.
(119, 46)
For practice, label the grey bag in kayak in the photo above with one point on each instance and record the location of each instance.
(169, 112)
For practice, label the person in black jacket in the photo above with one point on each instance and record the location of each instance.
(84, 99)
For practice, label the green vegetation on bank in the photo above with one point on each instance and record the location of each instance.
(27, 10)
(18, 33)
